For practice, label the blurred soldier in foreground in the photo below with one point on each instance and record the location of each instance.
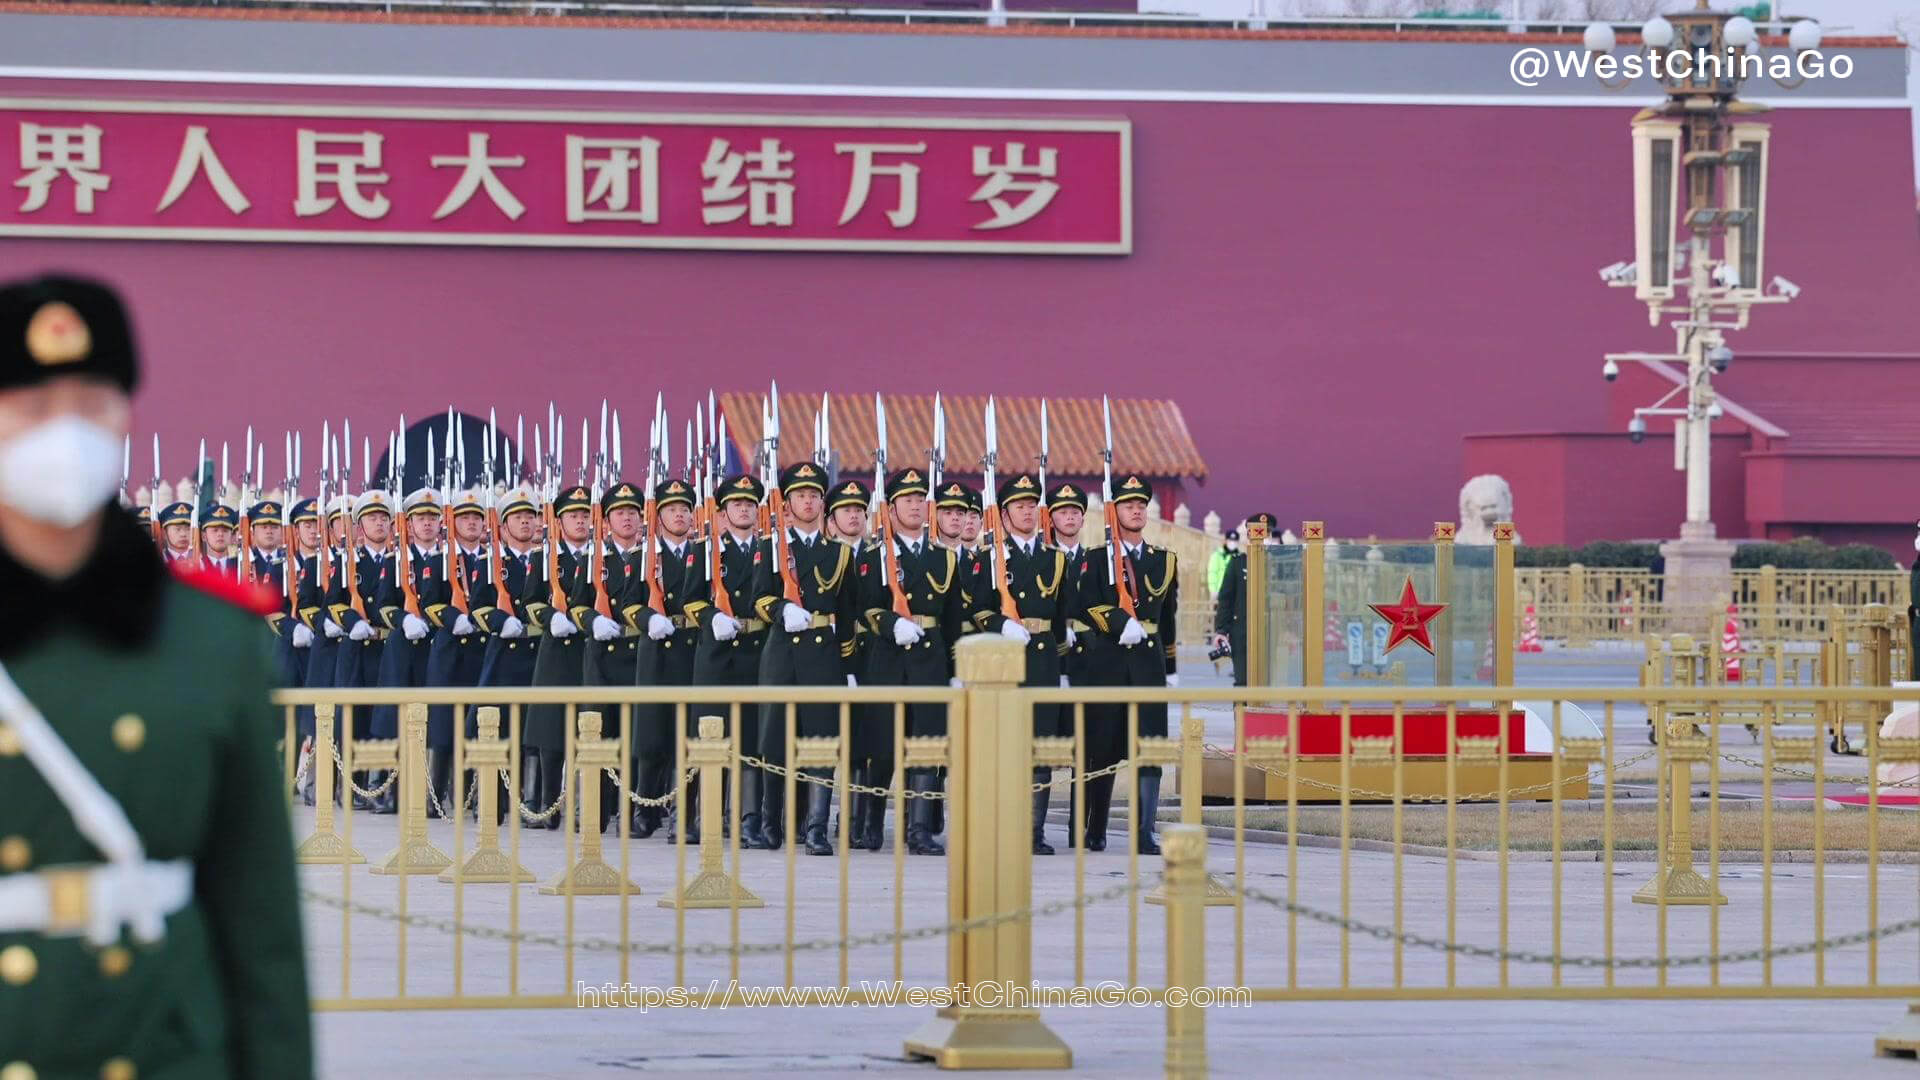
(149, 923)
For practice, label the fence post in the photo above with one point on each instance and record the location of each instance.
(1443, 590)
(1313, 590)
(590, 875)
(487, 756)
(414, 854)
(990, 871)
(1185, 850)
(1193, 747)
(1677, 883)
(325, 845)
(712, 887)
(1504, 585)
(1576, 605)
(1769, 601)
(1257, 641)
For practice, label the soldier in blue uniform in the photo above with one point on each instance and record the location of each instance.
(810, 646)
(403, 660)
(728, 645)
(911, 650)
(1127, 650)
(457, 646)
(364, 605)
(269, 570)
(216, 541)
(667, 640)
(176, 533)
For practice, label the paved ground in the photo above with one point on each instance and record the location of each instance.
(1522, 1037)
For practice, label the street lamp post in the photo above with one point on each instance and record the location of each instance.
(1699, 172)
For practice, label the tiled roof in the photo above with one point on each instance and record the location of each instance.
(1858, 428)
(1150, 435)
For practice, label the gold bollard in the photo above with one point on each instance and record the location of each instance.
(1193, 738)
(1187, 885)
(713, 887)
(487, 755)
(1683, 885)
(414, 854)
(590, 875)
(990, 870)
(325, 845)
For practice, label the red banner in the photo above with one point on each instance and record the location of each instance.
(1424, 733)
(366, 174)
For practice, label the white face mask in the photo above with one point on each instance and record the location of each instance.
(61, 472)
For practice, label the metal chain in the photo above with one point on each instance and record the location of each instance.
(1488, 952)
(527, 813)
(1218, 752)
(1803, 774)
(376, 793)
(596, 944)
(868, 789)
(640, 800)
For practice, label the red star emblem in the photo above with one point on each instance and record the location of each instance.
(1408, 618)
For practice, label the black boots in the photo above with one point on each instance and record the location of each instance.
(819, 810)
(440, 775)
(1040, 799)
(1147, 807)
(923, 818)
(773, 812)
(1097, 800)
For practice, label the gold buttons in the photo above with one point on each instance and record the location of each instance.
(114, 961)
(117, 1069)
(17, 1070)
(9, 747)
(129, 733)
(15, 853)
(18, 965)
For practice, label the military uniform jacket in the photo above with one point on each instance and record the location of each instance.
(376, 585)
(818, 655)
(160, 691)
(1043, 594)
(669, 661)
(491, 609)
(557, 662)
(716, 662)
(933, 581)
(1154, 580)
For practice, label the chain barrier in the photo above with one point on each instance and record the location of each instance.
(527, 813)
(392, 775)
(1222, 753)
(1524, 956)
(640, 800)
(868, 789)
(1803, 774)
(598, 944)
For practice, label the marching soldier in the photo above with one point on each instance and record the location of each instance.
(403, 659)
(269, 570)
(457, 648)
(560, 657)
(364, 605)
(312, 599)
(812, 645)
(1038, 585)
(729, 643)
(176, 527)
(1230, 606)
(1127, 650)
(950, 510)
(970, 524)
(216, 539)
(915, 649)
(512, 633)
(149, 922)
(665, 654)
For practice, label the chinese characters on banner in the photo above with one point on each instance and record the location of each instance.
(206, 171)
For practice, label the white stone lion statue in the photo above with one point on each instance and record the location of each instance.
(1484, 500)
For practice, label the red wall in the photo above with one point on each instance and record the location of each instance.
(1335, 294)
(1572, 488)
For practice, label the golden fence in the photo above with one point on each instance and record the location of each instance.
(1450, 845)
(1581, 606)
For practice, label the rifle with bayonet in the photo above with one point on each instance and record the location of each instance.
(453, 477)
(722, 599)
(1117, 573)
(889, 555)
(352, 554)
(556, 594)
(403, 531)
(995, 543)
(656, 543)
(777, 508)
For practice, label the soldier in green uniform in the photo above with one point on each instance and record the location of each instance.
(149, 924)
(666, 639)
(560, 657)
(1230, 606)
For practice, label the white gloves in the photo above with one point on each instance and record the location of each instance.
(1064, 684)
(561, 626)
(1071, 637)
(1173, 682)
(956, 683)
(361, 631)
(725, 626)
(1013, 631)
(851, 681)
(659, 627)
(796, 618)
(906, 632)
(463, 625)
(332, 629)
(302, 637)
(513, 628)
(1133, 633)
(414, 626)
(605, 629)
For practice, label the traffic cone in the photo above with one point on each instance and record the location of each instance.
(1730, 643)
(1530, 633)
(1336, 640)
(1626, 614)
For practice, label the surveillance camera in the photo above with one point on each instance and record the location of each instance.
(1715, 412)
(1726, 276)
(1785, 288)
(1720, 357)
(1637, 429)
(1609, 370)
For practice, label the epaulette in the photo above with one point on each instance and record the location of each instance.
(250, 597)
